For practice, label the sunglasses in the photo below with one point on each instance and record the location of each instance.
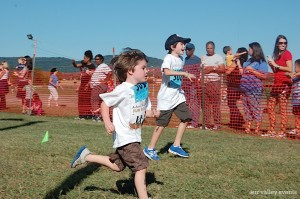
(97, 59)
(280, 43)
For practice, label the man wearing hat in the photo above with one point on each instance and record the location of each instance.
(192, 89)
(190, 57)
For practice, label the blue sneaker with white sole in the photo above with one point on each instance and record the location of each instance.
(151, 153)
(177, 150)
(80, 157)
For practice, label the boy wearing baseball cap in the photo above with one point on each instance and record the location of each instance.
(171, 97)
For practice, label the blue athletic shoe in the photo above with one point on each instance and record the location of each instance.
(151, 153)
(80, 157)
(177, 150)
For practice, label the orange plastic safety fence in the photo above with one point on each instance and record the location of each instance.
(213, 104)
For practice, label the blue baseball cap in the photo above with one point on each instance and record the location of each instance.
(174, 39)
(189, 46)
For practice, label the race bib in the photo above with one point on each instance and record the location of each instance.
(175, 81)
(140, 91)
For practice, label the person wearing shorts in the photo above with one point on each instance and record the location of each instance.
(131, 105)
(170, 98)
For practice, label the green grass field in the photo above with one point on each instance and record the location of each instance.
(221, 165)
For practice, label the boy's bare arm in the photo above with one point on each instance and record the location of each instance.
(239, 54)
(170, 72)
(109, 126)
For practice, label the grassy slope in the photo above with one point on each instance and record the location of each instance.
(222, 164)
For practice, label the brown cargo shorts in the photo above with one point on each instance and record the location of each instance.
(130, 155)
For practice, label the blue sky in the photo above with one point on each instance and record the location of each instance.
(66, 28)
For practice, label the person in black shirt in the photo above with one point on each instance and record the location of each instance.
(87, 68)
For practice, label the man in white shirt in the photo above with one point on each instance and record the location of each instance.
(213, 66)
(99, 85)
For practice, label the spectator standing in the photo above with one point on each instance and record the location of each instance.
(84, 92)
(99, 85)
(53, 86)
(170, 98)
(213, 64)
(296, 97)
(280, 64)
(191, 58)
(22, 80)
(254, 71)
(28, 62)
(4, 83)
(192, 89)
(233, 88)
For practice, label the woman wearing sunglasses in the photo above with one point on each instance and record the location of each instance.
(280, 64)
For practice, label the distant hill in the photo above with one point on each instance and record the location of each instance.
(65, 65)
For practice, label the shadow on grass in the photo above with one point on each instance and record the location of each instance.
(12, 119)
(126, 186)
(167, 146)
(73, 180)
(21, 125)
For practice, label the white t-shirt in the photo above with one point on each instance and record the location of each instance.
(6, 74)
(129, 104)
(170, 93)
(213, 60)
(99, 74)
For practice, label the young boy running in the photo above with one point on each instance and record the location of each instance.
(171, 97)
(131, 106)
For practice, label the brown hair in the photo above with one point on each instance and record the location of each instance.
(126, 61)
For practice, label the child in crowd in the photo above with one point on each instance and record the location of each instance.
(131, 106)
(21, 63)
(37, 105)
(171, 97)
(29, 90)
(296, 96)
(230, 57)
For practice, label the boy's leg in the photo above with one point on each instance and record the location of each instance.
(161, 122)
(140, 184)
(132, 156)
(150, 151)
(183, 113)
(155, 136)
(102, 160)
(84, 155)
(179, 134)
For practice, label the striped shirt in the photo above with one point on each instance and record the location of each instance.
(100, 74)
